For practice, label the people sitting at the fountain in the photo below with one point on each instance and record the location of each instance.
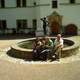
(58, 45)
(42, 48)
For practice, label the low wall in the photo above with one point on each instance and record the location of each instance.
(23, 53)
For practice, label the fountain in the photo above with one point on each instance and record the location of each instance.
(23, 49)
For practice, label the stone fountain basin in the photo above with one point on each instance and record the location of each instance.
(24, 53)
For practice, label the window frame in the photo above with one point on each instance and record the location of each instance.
(72, 1)
(54, 3)
(3, 24)
(21, 3)
(21, 23)
(2, 3)
(34, 23)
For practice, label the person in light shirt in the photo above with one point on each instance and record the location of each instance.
(58, 45)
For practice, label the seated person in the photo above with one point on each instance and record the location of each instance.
(42, 48)
(36, 48)
(58, 45)
(49, 42)
(47, 45)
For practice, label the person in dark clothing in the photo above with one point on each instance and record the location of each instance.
(47, 45)
(36, 48)
(45, 23)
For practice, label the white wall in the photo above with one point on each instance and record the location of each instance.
(30, 2)
(10, 3)
(63, 1)
(77, 1)
(71, 13)
(11, 15)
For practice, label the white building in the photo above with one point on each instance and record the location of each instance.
(19, 14)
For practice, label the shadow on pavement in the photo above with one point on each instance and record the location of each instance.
(15, 36)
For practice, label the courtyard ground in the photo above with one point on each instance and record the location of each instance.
(16, 69)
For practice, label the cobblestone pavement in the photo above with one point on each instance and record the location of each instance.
(16, 69)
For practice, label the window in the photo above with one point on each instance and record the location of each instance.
(3, 24)
(18, 3)
(54, 4)
(24, 3)
(72, 1)
(22, 24)
(21, 3)
(34, 24)
(2, 3)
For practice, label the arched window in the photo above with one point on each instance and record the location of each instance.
(71, 29)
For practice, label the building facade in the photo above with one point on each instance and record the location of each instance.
(24, 15)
